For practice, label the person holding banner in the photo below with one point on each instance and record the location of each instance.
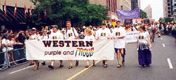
(55, 35)
(71, 34)
(103, 33)
(119, 34)
(44, 36)
(34, 36)
(89, 36)
(144, 47)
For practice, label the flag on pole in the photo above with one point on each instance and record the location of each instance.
(5, 10)
(25, 10)
(30, 12)
(15, 10)
(45, 14)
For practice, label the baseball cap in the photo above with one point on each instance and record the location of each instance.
(103, 23)
(33, 29)
(55, 26)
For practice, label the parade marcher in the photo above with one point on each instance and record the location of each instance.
(153, 28)
(55, 35)
(89, 36)
(44, 36)
(71, 34)
(119, 34)
(34, 36)
(144, 47)
(103, 33)
(174, 32)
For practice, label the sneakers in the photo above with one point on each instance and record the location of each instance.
(31, 64)
(119, 65)
(51, 67)
(61, 66)
(87, 66)
(70, 67)
(43, 63)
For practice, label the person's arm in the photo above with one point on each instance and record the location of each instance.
(150, 45)
(123, 34)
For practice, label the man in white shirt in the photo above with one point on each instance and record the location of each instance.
(71, 34)
(55, 35)
(119, 34)
(103, 33)
(34, 36)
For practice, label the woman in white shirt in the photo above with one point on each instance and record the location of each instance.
(89, 36)
(144, 47)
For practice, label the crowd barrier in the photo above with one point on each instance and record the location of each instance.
(6, 61)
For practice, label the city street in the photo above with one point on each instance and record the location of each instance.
(163, 67)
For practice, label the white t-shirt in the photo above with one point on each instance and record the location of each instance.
(5, 41)
(56, 35)
(71, 34)
(34, 37)
(45, 37)
(103, 34)
(143, 38)
(118, 32)
(89, 37)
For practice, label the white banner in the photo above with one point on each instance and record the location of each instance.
(70, 50)
(131, 36)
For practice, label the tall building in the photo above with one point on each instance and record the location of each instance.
(167, 8)
(148, 10)
(134, 4)
(139, 4)
(174, 9)
(124, 4)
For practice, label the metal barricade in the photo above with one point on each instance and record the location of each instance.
(8, 58)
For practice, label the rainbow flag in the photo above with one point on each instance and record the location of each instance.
(117, 33)
(70, 35)
(103, 34)
(141, 37)
(54, 37)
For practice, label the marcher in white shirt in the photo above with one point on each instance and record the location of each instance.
(103, 33)
(44, 36)
(89, 36)
(34, 36)
(144, 48)
(55, 35)
(71, 34)
(119, 34)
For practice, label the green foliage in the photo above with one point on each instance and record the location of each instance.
(78, 11)
(143, 14)
(168, 19)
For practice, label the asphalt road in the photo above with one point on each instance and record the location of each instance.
(163, 50)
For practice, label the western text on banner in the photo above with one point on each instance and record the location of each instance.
(70, 50)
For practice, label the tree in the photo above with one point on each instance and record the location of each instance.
(77, 11)
(143, 14)
(168, 19)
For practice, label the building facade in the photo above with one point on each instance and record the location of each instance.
(148, 10)
(113, 5)
(134, 4)
(174, 9)
(20, 3)
(167, 8)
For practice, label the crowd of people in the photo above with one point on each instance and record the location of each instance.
(14, 40)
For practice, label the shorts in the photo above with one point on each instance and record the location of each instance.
(124, 50)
